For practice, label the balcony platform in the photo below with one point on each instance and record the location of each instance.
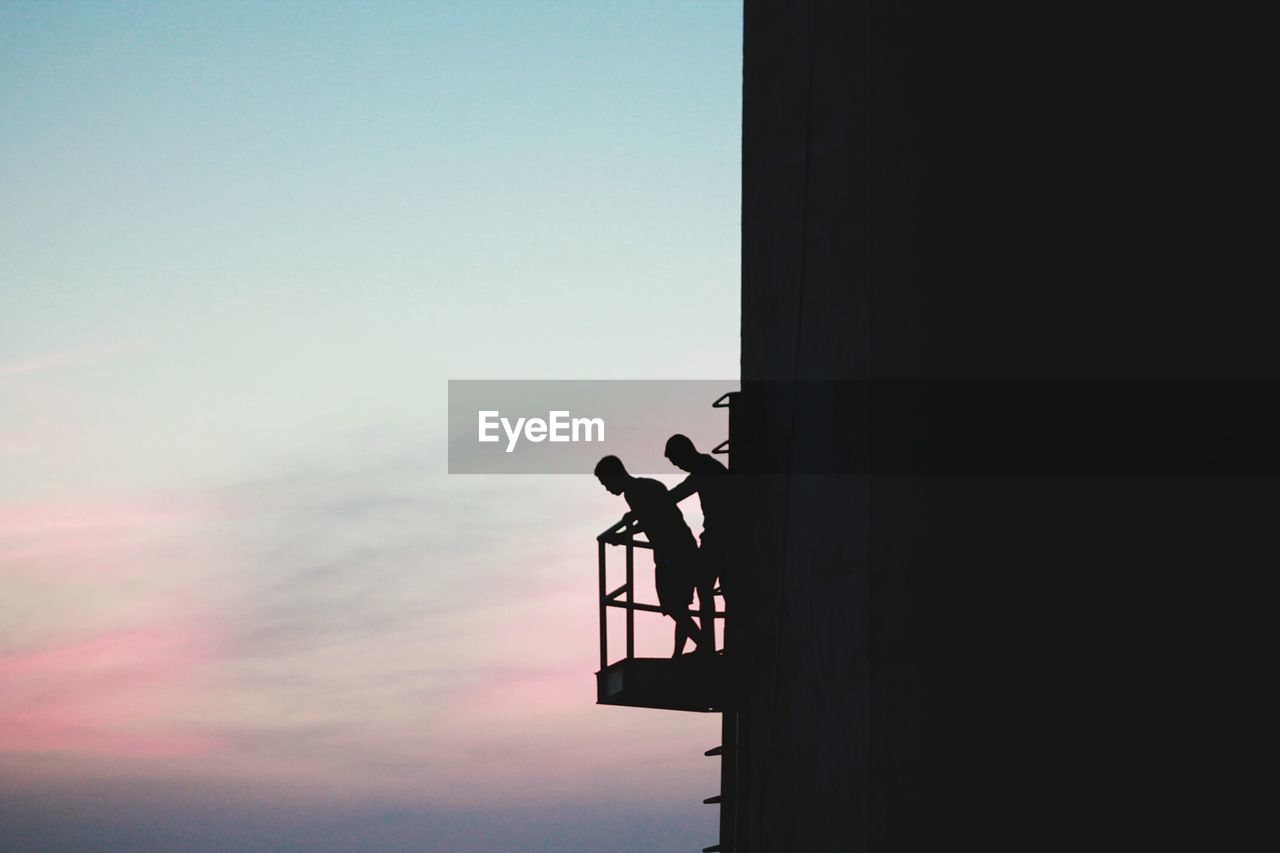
(688, 683)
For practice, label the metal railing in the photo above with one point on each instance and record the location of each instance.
(623, 533)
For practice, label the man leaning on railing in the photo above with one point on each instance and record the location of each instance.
(675, 552)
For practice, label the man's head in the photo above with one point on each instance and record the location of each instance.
(612, 475)
(681, 452)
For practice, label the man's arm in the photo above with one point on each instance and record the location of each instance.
(619, 527)
(684, 490)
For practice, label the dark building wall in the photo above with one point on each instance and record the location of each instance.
(947, 192)
(805, 253)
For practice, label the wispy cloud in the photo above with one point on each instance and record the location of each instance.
(364, 625)
(36, 409)
(111, 693)
(74, 539)
(60, 358)
(106, 639)
(36, 363)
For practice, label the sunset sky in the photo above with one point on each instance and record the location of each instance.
(243, 247)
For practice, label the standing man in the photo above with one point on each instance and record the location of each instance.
(675, 553)
(710, 479)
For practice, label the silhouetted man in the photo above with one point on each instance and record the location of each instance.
(675, 553)
(710, 479)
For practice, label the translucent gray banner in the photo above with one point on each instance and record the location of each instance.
(500, 426)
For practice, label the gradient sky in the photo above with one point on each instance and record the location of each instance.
(242, 248)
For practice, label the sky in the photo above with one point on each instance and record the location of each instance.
(243, 248)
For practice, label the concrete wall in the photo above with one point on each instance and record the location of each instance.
(941, 191)
(804, 315)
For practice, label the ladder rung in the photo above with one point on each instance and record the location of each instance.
(711, 801)
(715, 750)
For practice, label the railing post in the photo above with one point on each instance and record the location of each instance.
(604, 622)
(631, 611)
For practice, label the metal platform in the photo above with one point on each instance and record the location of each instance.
(688, 683)
(692, 682)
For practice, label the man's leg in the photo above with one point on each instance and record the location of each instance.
(675, 595)
(685, 628)
(710, 556)
(707, 616)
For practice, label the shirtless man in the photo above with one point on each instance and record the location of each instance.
(709, 478)
(675, 553)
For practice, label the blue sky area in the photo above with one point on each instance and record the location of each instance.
(243, 247)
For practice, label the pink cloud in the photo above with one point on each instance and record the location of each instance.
(118, 691)
(29, 735)
(114, 693)
(37, 363)
(80, 538)
(30, 365)
(29, 519)
(549, 691)
(50, 416)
